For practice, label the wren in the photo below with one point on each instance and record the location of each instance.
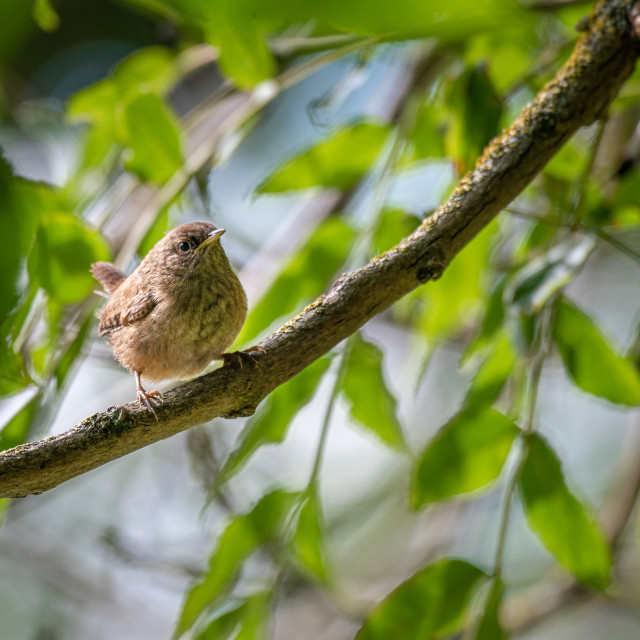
(179, 310)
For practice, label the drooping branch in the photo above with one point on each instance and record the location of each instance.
(579, 94)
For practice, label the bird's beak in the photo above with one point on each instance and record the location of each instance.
(214, 237)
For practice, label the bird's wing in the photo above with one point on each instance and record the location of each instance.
(115, 316)
(108, 275)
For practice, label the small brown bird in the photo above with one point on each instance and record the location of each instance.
(180, 309)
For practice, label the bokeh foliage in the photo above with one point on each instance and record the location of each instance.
(503, 298)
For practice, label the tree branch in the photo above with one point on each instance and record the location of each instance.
(579, 94)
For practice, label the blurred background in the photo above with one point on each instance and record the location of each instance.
(465, 466)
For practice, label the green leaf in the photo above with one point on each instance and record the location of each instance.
(148, 70)
(154, 139)
(271, 422)
(13, 375)
(565, 526)
(308, 545)
(538, 280)
(337, 161)
(96, 104)
(448, 20)
(244, 55)
(426, 138)
(590, 359)
(303, 278)
(22, 204)
(372, 404)
(492, 374)
(45, 15)
(70, 356)
(238, 619)
(478, 110)
(488, 625)
(60, 259)
(242, 536)
(155, 232)
(453, 301)
(393, 225)
(466, 454)
(15, 432)
(430, 604)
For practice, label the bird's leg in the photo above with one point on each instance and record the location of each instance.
(146, 396)
(246, 355)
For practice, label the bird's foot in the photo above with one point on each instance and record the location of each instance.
(248, 355)
(148, 397)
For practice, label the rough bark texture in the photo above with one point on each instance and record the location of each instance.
(579, 94)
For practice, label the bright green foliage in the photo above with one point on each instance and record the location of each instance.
(466, 454)
(308, 541)
(45, 15)
(22, 204)
(243, 535)
(592, 362)
(479, 118)
(488, 625)
(72, 354)
(338, 161)
(445, 19)
(154, 145)
(244, 56)
(16, 430)
(563, 523)
(13, 375)
(492, 374)
(430, 604)
(393, 225)
(159, 227)
(238, 619)
(372, 405)
(271, 422)
(303, 277)
(453, 301)
(533, 285)
(426, 139)
(61, 257)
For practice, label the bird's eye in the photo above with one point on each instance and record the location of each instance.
(184, 246)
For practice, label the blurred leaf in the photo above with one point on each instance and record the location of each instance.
(238, 619)
(363, 384)
(445, 19)
(244, 55)
(426, 139)
(61, 257)
(492, 374)
(15, 432)
(337, 161)
(564, 525)
(488, 626)
(155, 232)
(308, 544)
(241, 537)
(45, 15)
(96, 104)
(478, 109)
(466, 454)
(533, 285)
(271, 422)
(590, 359)
(303, 278)
(430, 604)
(70, 356)
(22, 204)
(147, 70)
(153, 139)
(492, 320)
(393, 225)
(13, 375)
(452, 302)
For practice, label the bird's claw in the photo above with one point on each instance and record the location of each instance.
(148, 397)
(248, 355)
